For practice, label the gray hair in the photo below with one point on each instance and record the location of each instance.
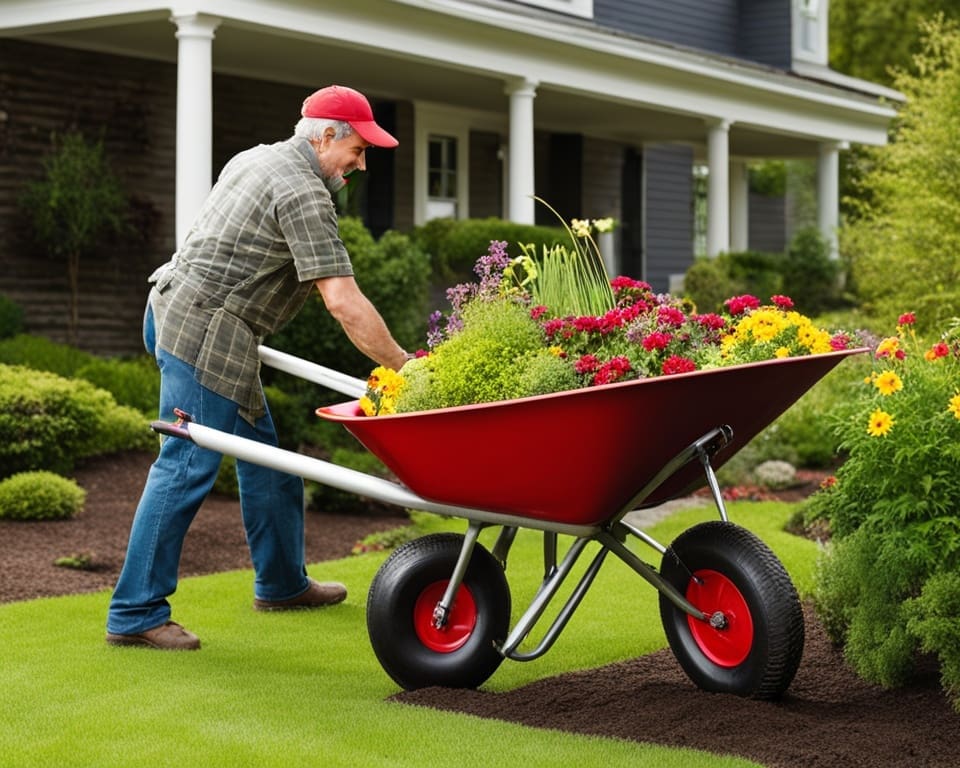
(314, 127)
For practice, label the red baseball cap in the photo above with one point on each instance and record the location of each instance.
(337, 102)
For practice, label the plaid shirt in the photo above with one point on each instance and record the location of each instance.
(266, 232)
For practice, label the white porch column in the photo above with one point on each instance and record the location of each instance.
(194, 115)
(828, 194)
(739, 206)
(521, 166)
(718, 187)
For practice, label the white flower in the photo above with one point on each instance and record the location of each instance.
(605, 225)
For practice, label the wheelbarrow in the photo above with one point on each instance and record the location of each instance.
(570, 464)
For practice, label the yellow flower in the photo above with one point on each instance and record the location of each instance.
(782, 352)
(556, 351)
(888, 382)
(367, 406)
(881, 422)
(888, 347)
(954, 406)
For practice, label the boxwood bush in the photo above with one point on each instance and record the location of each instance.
(49, 422)
(39, 495)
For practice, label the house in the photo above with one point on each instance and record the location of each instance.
(601, 107)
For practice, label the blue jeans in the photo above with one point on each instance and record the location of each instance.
(271, 505)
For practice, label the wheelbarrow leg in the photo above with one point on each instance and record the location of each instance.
(442, 611)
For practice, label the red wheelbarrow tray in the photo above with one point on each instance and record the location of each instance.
(578, 457)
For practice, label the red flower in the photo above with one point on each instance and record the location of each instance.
(537, 312)
(670, 316)
(783, 302)
(677, 364)
(740, 304)
(613, 370)
(907, 318)
(586, 364)
(711, 321)
(940, 349)
(656, 340)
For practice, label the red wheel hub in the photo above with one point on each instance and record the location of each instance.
(713, 593)
(461, 618)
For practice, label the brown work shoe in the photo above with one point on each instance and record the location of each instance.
(318, 594)
(167, 637)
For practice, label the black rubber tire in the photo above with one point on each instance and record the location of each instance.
(774, 608)
(405, 575)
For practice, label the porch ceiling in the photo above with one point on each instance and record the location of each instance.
(312, 60)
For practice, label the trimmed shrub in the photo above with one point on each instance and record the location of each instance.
(707, 283)
(134, 382)
(455, 245)
(394, 274)
(40, 495)
(42, 354)
(49, 422)
(11, 318)
(810, 276)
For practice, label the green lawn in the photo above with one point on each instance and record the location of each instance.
(304, 689)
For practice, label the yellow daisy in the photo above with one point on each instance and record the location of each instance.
(881, 422)
(888, 382)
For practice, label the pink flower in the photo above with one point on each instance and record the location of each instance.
(677, 364)
(537, 312)
(783, 302)
(740, 304)
(839, 341)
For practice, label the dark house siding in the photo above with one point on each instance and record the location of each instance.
(765, 32)
(486, 175)
(669, 215)
(133, 103)
(766, 224)
(756, 30)
(710, 25)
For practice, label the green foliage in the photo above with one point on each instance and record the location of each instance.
(134, 382)
(49, 422)
(455, 245)
(393, 273)
(39, 495)
(75, 205)
(711, 281)
(40, 353)
(481, 363)
(893, 509)
(326, 498)
(11, 318)
(870, 38)
(934, 617)
(810, 275)
(708, 284)
(908, 209)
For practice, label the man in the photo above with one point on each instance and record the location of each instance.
(265, 236)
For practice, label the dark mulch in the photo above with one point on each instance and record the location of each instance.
(828, 718)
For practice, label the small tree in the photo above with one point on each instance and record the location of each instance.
(908, 207)
(74, 206)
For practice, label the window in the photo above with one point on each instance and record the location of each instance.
(810, 31)
(441, 176)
